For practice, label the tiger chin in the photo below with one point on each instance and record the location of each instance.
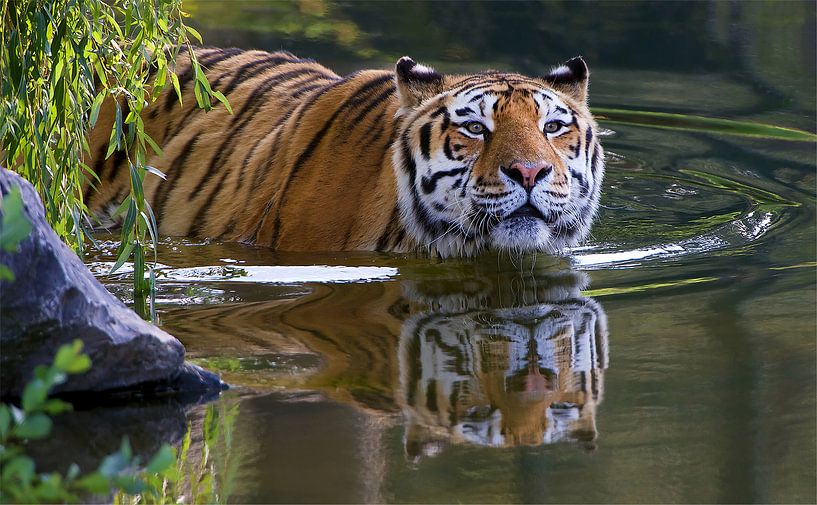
(403, 161)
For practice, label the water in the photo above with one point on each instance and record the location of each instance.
(669, 359)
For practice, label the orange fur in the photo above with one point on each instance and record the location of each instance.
(311, 161)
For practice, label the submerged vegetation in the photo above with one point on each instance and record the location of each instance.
(59, 60)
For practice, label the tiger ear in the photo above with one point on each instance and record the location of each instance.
(571, 78)
(415, 82)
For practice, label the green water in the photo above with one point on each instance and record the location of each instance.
(669, 359)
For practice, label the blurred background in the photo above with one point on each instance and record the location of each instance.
(743, 60)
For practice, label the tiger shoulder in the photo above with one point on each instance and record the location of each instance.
(408, 160)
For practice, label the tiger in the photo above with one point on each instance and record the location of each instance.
(409, 160)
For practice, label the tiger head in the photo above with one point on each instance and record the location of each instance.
(496, 160)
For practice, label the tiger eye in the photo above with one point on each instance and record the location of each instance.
(552, 127)
(475, 128)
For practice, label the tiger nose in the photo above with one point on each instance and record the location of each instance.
(527, 173)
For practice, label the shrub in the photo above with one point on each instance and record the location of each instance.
(59, 59)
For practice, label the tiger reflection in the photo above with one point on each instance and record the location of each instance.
(526, 375)
(477, 355)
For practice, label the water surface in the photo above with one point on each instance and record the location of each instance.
(671, 358)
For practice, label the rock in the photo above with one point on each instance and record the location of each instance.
(54, 299)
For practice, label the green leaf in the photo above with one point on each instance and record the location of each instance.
(123, 257)
(94, 483)
(175, 79)
(112, 142)
(34, 395)
(69, 358)
(14, 225)
(117, 462)
(155, 171)
(154, 146)
(223, 99)
(19, 468)
(53, 407)
(202, 99)
(192, 31)
(6, 274)
(5, 420)
(162, 460)
(33, 427)
(95, 106)
(129, 484)
(136, 184)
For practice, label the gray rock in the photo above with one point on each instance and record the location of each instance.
(54, 299)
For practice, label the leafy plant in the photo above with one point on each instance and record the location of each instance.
(206, 475)
(14, 226)
(59, 61)
(19, 481)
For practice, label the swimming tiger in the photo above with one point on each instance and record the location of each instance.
(409, 160)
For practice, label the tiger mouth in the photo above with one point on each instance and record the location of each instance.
(528, 211)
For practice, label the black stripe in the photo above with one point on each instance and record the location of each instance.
(376, 123)
(594, 161)
(265, 166)
(447, 148)
(429, 184)
(432, 226)
(583, 186)
(408, 159)
(243, 168)
(198, 221)
(382, 97)
(588, 139)
(383, 241)
(425, 140)
(254, 235)
(99, 166)
(465, 111)
(302, 109)
(119, 157)
(487, 83)
(355, 98)
(174, 174)
(446, 122)
(252, 69)
(306, 89)
(226, 149)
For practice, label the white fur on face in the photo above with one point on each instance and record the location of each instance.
(445, 209)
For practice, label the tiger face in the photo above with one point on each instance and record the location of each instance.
(496, 160)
